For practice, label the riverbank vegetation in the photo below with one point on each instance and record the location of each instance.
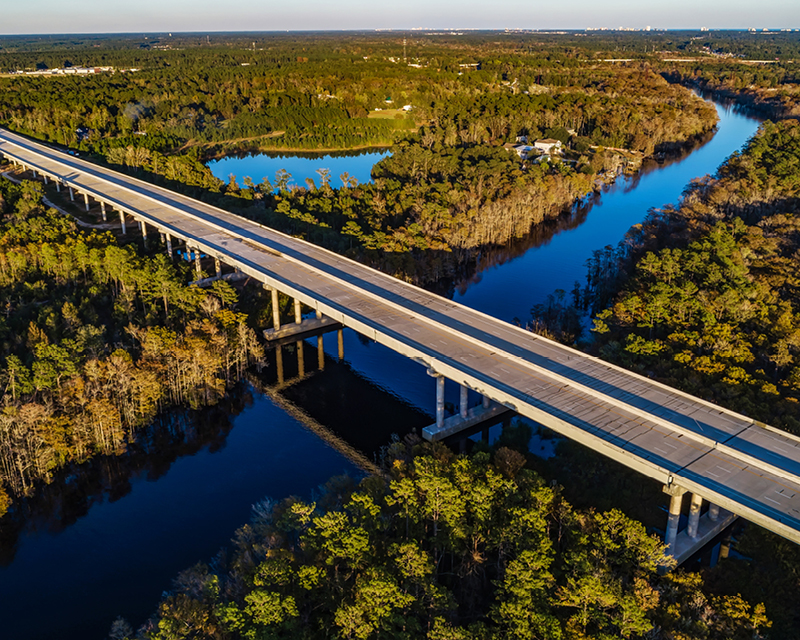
(455, 189)
(443, 547)
(711, 303)
(450, 187)
(705, 297)
(96, 339)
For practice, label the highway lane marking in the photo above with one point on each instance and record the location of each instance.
(610, 409)
(41, 152)
(172, 197)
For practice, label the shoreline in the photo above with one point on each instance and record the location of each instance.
(234, 151)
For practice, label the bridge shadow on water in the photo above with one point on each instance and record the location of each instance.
(352, 407)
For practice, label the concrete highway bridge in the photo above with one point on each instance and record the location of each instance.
(737, 466)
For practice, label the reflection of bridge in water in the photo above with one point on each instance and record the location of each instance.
(690, 445)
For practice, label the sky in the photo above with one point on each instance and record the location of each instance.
(155, 16)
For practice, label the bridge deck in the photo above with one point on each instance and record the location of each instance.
(747, 468)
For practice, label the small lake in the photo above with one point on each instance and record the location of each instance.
(301, 166)
(109, 541)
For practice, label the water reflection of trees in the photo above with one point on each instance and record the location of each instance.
(77, 488)
(541, 234)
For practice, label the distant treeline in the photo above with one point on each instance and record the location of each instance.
(448, 190)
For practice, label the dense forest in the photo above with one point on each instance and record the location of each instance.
(99, 337)
(712, 302)
(455, 189)
(96, 339)
(449, 188)
(444, 547)
(705, 297)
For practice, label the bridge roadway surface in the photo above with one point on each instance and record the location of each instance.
(745, 467)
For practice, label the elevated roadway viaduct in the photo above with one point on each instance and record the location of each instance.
(692, 446)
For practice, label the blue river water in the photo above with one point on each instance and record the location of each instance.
(301, 167)
(508, 290)
(75, 563)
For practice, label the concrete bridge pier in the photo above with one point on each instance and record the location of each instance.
(700, 529)
(276, 312)
(713, 512)
(466, 418)
(439, 398)
(143, 227)
(71, 194)
(58, 186)
(86, 201)
(169, 245)
(340, 341)
(320, 354)
(673, 519)
(217, 268)
(103, 211)
(122, 221)
(694, 515)
(44, 177)
(197, 266)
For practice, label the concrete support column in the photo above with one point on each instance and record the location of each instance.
(675, 504)
(197, 266)
(694, 515)
(486, 402)
(319, 314)
(485, 434)
(713, 512)
(217, 268)
(169, 246)
(35, 175)
(71, 195)
(58, 186)
(44, 177)
(276, 312)
(340, 340)
(122, 222)
(298, 316)
(725, 547)
(320, 354)
(462, 401)
(143, 226)
(86, 200)
(301, 365)
(103, 210)
(439, 401)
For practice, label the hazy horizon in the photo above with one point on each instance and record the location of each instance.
(92, 17)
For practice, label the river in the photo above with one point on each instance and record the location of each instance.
(108, 540)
